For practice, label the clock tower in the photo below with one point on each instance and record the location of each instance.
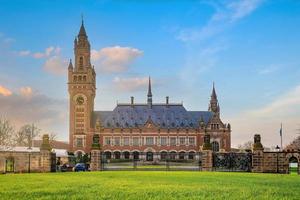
(82, 91)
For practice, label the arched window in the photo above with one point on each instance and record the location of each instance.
(81, 62)
(136, 155)
(117, 155)
(107, 155)
(163, 155)
(126, 154)
(79, 78)
(215, 146)
(75, 78)
(191, 155)
(173, 155)
(84, 78)
(181, 155)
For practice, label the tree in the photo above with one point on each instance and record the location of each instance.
(6, 132)
(26, 134)
(245, 146)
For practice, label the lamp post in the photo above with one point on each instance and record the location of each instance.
(277, 148)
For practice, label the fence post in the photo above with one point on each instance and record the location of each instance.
(258, 155)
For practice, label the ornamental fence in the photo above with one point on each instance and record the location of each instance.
(232, 161)
(149, 161)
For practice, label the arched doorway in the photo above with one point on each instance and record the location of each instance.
(149, 156)
(293, 165)
(108, 155)
(163, 155)
(10, 165)
(181, 155)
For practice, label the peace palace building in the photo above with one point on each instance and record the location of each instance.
(136, 128)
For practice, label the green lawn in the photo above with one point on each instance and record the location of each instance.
(149, 185)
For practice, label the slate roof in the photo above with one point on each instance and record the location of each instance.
(164, 116)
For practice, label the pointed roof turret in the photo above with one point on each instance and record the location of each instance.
(70, 65)
(82, 31)
(214, 105)
(149, 95)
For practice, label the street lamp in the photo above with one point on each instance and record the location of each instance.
(277, 148)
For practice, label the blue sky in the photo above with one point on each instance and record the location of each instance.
(249, 48)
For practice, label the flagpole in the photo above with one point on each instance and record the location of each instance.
(281, 137)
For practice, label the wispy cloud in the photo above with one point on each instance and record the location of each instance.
(114, 59)
(4, 91)
(227, 13)
(266, 120)
(130, 84)
(268, 70)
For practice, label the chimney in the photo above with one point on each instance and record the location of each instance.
(167, 100)
(132, 100)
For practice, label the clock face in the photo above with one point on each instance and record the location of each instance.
(80, 100)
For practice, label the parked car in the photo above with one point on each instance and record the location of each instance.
(80, 167)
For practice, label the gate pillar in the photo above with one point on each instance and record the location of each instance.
(95, 154)
(45, 153)
(258, 155)
(207, 156)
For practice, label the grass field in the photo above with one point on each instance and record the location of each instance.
(149, 185)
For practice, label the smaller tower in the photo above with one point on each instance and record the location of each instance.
(149, 96)
(214, 104)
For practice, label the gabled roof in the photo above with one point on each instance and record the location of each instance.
(162, 115)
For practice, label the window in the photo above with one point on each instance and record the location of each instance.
(117, 141)
(135, 141)
(191, 141)
(163, 155)
(108, 155)
(126, 141)
(182, 140)
(75, 78)
(191, 155)
(126, 155)
(81, 62)
(173, 141)
(215, 146)
(163, 141)
(84, 78)
(79, 142)
(181, 155)
(107, 141)
(149, 141)
(117, 155)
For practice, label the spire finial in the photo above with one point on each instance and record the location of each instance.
(149, 96)
(82, 31)
(82, 18)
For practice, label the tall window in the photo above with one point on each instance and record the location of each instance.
(182, 140)
(107, 141)
(215, 146)
(117, 141)
(79, 142)
(135, 141)
(126, 141)
(149, 141)
(163, 141)
(173, 141)
(81, 62)
(191, 141)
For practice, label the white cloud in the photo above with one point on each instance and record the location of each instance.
(4, 91)
(56, 65)
(114, 59)
(26, 92)
(130, 84)
(50, 51)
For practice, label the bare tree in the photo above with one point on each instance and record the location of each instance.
(6, 132)
(245, 146)
(52, 136)
(26, 134)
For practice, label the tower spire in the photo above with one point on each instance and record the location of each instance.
(214, 104)
(149, 95)
(82, 31)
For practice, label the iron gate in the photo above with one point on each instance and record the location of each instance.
(149, 161)
(232, 161)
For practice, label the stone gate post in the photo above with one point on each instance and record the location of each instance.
(95, 154)
(45, 153)
(207, 156)
(257, 155)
